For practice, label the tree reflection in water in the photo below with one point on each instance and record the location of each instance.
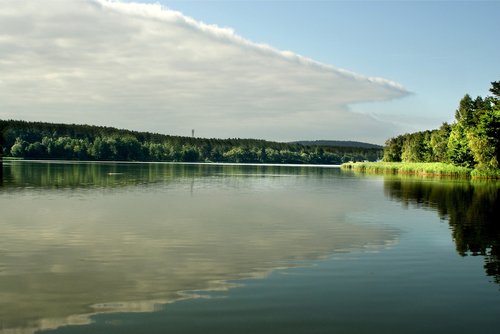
(472, 209)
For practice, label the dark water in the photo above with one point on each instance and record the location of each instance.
(165, 248)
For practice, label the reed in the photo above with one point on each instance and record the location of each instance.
(418, 168)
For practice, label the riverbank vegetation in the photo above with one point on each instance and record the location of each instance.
(37, 140)
(425, 168)
(470, 146)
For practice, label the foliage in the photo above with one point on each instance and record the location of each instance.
(472, 141)
(36, 140)
(439, 143)
(484, 140)
(423, 168)
(459, 151)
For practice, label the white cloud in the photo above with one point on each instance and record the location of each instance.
(145, 67)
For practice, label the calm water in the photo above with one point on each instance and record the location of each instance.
(166, 248)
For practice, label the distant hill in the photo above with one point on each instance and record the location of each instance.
(337, 143)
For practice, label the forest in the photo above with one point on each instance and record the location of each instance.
(472, 140)
(38, 140)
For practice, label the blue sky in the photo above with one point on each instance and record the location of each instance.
(276, 70)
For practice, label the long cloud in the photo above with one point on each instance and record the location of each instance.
(146, 67)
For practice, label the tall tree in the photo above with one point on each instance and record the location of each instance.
(459, 152)
(439, 143)
(393, 148)
(465, 111)
(484, 139)
(495, 89)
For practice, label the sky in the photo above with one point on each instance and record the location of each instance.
(276, 70)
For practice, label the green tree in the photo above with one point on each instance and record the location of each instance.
(157, 152)
(241, 154)
(439, 143)
(393, 149)
(102, 149)
(484, 141)
(216, 154)
(495, 89)
(263, 154)
(459, 152)
(465, 111)
(127, 148)
(414, 148)
(190, 154)
(466, 118)
(36, 150)
(18, 149)
(63, 141)
(426, 145)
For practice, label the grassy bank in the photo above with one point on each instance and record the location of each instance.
(486, 174)
(430, 169)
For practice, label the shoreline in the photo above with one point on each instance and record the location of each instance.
(264, 164)
(429, 169)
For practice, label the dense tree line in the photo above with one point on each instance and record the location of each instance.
(36, 140)
(473, 140)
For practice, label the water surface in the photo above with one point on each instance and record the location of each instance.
(110, 247)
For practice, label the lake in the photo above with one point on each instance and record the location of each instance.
(204, 248)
